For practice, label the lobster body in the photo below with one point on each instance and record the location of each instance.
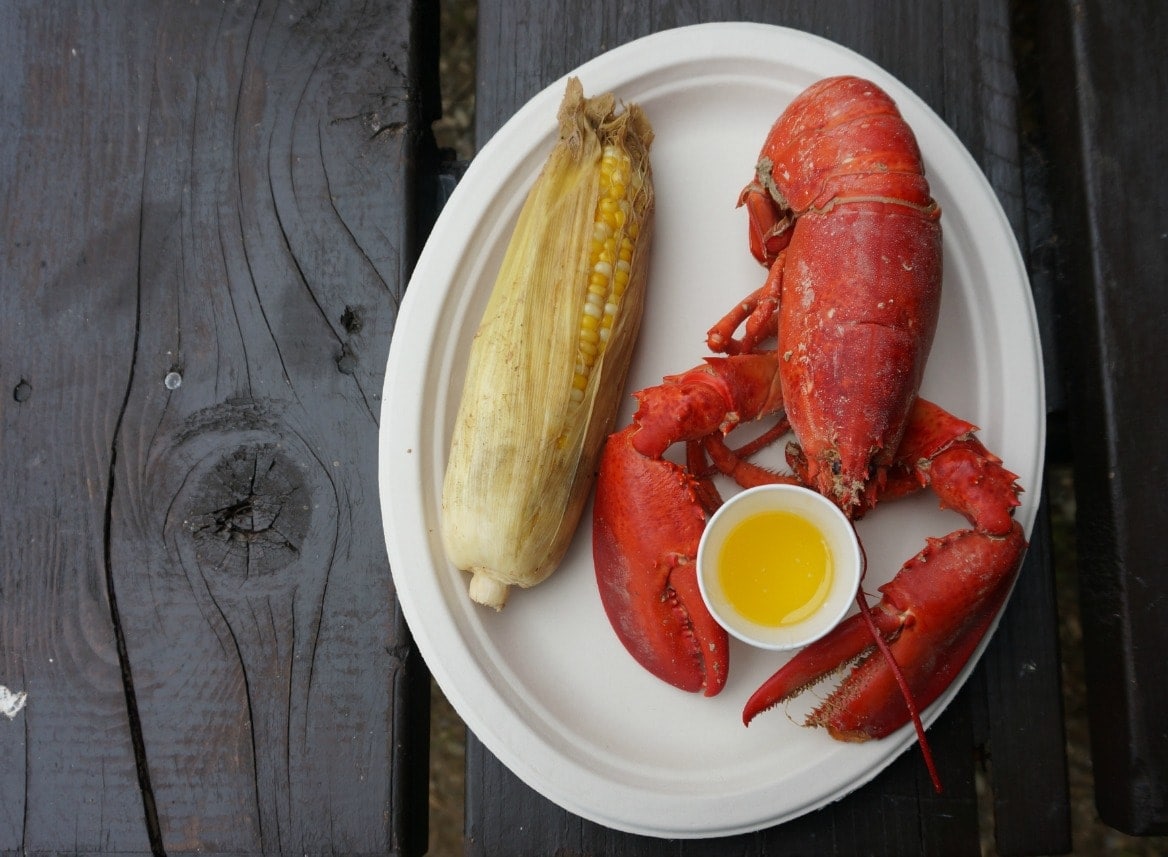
(841, 215)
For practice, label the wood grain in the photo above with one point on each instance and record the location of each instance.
(1104, 88)
(210, 212)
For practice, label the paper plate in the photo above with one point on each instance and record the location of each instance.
(545, 684)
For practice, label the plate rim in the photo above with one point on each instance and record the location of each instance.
(499, 738)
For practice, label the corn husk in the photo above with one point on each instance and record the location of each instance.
(524, 451)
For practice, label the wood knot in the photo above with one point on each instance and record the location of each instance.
(256, 504)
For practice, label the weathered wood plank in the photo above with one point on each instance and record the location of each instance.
(1017, 691)
(958, 58)
(70, 192)
(222, 197)
(896, 814)
(1018, 712)
(1106, 89)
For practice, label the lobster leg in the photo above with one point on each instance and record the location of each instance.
(760, 312)
(936, 610)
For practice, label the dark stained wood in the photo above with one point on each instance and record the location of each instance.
(209, 214)
(896, 814)
(66, 334)
(1105, 93)
(959, 58)
(1016, 692)
(1018, 711)
(208, 223)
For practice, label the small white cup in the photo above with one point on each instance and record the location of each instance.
(842, 543)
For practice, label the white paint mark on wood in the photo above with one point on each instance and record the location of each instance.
(11, 703)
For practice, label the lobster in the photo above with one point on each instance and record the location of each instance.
(841, 215)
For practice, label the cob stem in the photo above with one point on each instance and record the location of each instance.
(486, 590)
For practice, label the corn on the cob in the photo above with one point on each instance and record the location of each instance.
(547, 367)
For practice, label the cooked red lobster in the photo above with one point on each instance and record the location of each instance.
(841, 215)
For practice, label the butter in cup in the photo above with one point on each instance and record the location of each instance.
(842, 548)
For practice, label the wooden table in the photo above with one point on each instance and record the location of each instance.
(210, 214)
(208, 224)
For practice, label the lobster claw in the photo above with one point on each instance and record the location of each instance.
(649, 513)
(932, 616)
(645, 558)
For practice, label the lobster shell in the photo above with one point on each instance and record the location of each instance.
(857, 238)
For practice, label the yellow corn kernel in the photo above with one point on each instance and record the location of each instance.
(621, 206)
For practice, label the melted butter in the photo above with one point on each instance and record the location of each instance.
(775, 568)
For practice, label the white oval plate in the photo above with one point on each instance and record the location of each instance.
(545, 684)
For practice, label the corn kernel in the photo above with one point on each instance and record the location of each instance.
(614, 232)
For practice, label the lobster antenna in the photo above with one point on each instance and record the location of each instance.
(866, 612)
